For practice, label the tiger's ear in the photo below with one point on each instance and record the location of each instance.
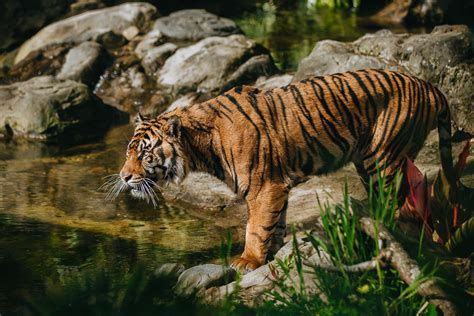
(139, 119)
(173, 128)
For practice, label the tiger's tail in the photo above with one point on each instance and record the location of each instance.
(445, 145)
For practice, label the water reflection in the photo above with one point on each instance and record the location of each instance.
(291, 31)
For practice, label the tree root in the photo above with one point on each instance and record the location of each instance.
(408, 268)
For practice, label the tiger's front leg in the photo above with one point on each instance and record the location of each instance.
(265, 211)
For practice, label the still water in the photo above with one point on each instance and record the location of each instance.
(53, 218)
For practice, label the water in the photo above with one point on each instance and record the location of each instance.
(52, 217)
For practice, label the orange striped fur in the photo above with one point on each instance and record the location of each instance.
(262, 143)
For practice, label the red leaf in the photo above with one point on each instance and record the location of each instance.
(416, 201)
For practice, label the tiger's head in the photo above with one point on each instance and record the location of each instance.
(155, 153)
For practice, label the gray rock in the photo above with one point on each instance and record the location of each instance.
(252, 289)
(90, 25)
(169, 271)
(442, 57)
(265, 83)
(330, 56)
(149, 41)
(154, 58)
(83, 63)
(195, 24)
(206, 66)
(251, 70)
(201, 190)
(44, 107)
(203, 276)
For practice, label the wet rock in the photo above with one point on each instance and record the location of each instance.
(195, 25)
(83, 63)
(265, 83)
(252, 289)
(43, 62)
(44, 107)
(206, 66)
(155, 57)
(250, 70)
(89, 25)
(169, 271)
(423, 12)
(203, 276)
(442, 57)
(111, 40)
(126, 87)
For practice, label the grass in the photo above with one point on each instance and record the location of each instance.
(376, 292)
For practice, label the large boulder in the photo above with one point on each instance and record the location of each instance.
(442, 57)
(44, 107)
(209, 64)
(83, 63)
(195, 24)
(90, 25)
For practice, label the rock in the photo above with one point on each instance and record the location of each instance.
(195, 24)
(183, 102)
(330, 56)
(149, 41)
(423, 12)
(203, 276)
(169, 271)
(44, 107)
(252, 289)
(130, 32)
(442, 57)
(126, 87)
(154, 58)
(250, 70)
(111, 40)
(201, 190)
(83, 63)
(265, 83)
(85, 5)
(89, 25)
(43, 62)
(206, 66)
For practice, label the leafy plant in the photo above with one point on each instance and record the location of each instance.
(433, 206)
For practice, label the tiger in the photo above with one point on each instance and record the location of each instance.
(262, 143)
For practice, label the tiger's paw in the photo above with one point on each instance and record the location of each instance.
(244, 265)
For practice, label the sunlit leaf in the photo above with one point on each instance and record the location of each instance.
(461, 243)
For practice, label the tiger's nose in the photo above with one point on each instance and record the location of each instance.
(125, 176)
